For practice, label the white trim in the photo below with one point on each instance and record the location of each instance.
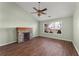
(67, 40)
(76, 47)
(58, 38)
(7, 43)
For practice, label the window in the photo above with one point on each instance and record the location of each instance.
(55, 26)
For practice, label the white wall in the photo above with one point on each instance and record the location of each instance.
(76, 28)
(66, 30)
(12, 16)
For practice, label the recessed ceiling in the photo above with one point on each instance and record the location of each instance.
(55, 9)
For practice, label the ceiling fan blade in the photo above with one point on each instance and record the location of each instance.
(44, 9)
(43, 13)
(35, 9)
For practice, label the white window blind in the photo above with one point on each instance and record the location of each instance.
(55, 25)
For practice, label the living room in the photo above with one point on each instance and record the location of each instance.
(24, 30)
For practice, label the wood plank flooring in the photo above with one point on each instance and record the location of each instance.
(39, 46)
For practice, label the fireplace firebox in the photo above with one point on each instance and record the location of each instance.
(26, 36)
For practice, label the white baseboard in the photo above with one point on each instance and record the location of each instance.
(58, 38)
(67, 40)
(76, 48)
(7, 43)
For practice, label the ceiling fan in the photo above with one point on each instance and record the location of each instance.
(39, 11)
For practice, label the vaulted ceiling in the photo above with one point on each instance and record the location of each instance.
(55, 9)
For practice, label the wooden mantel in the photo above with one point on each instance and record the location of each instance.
(23, 28)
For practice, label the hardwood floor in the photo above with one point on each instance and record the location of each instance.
(39, 46)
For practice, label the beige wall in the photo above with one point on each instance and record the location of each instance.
(76, 28)
(7, 36)
(12, 16)
(66, 29)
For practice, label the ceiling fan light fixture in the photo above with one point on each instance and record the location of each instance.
(39, 11)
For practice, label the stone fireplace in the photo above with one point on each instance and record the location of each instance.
(23, 34)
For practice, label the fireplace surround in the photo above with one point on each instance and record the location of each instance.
(23, 34)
